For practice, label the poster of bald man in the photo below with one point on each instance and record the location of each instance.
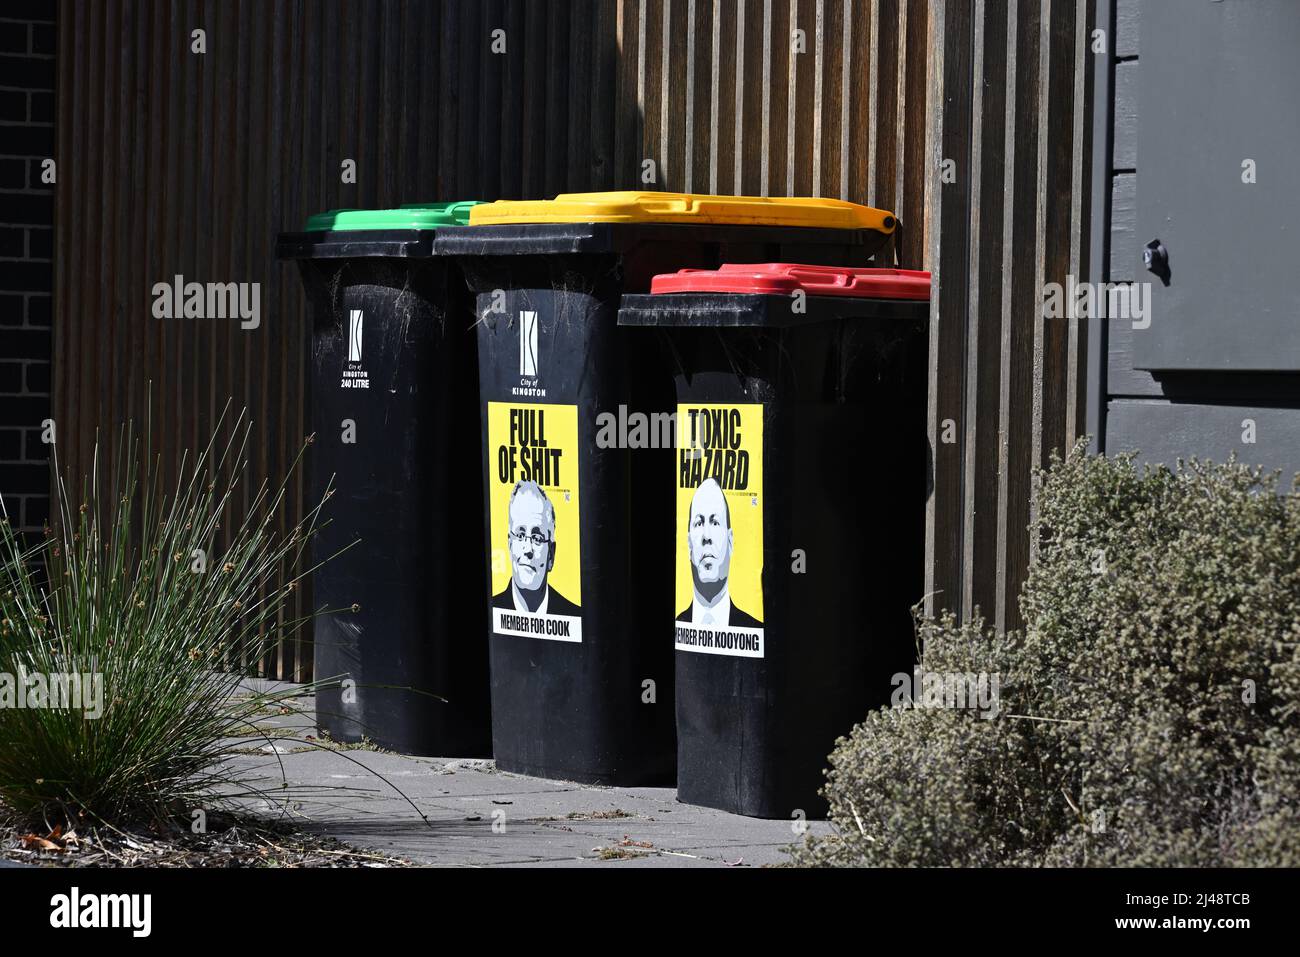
(720, 530)
(534, 509)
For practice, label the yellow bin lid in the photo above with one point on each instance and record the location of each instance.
(631, 206)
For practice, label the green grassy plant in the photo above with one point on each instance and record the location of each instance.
(140, 585)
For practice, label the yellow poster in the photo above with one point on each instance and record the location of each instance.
(533, 503)
(720, 530)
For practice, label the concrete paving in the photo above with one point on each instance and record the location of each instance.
(467, 813)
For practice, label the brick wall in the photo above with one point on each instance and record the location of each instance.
(27, 46)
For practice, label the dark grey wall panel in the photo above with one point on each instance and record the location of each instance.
(1122, 263)
(1122, 379)
(1218, 90)
(1127, 17)
(1126, 113)
(1163, 432)
(1196, 412)
(1125, 250)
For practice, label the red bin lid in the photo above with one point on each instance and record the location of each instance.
(784, 279)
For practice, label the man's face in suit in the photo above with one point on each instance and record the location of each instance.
(532, 540)
(709, 539)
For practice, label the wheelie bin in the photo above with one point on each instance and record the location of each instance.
(581, 569)
(395, 417)
(800, 482)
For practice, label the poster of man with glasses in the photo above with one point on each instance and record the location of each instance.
(533, 549)
(535, 524)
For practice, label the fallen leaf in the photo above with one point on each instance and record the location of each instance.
(39, 843)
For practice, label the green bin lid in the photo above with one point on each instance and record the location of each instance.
(414, 216)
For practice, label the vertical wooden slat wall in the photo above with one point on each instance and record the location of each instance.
(967, 118)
